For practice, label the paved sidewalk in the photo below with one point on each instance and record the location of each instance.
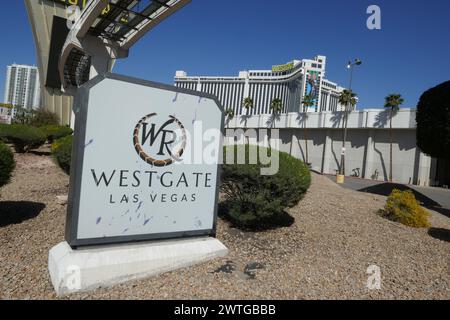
(436, 199)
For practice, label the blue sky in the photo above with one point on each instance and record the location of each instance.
(210, 37)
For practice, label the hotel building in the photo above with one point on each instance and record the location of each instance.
(22, 88)
(290, 83)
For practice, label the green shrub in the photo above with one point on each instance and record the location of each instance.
(7, 164)
(62, 152)
(433, 121)
(53, 132)
(4, 129)
(402, 206)
(43, 117)
(24, 138)
(255, 201)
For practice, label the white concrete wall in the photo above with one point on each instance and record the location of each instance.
(367, 143)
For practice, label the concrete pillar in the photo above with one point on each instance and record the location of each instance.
(327, 103)
(370, 149)
(327, 153)
(424, 170)
(247, 87)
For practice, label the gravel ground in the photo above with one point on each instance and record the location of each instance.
(325, 254)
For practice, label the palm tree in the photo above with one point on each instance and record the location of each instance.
(276, 106)
(308, 101)
(229, 113)
(248, 103)
(393, 103)
(348, 99)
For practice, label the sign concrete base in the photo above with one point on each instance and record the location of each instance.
(86, 269)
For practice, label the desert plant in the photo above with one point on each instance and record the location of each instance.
(7, 164)
(62, 152)
(43, 117)
(53, 132)
(257, 201)
(402, 206)
(24, 138)
(393, 103)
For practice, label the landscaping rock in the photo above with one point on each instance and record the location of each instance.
(325, 254)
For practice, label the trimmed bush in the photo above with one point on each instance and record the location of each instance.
(4, 129)
(24, 138)
(433, 121)
(402, 206)
(7, 164)
(53, 132)
(62, 152)
(43, 117)
(254, 201)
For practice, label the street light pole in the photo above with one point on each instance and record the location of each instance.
(350, 66)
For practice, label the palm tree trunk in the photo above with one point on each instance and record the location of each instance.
(390, 143)
(344, 142)
(306, 143)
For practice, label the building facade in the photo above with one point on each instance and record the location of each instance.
(290, 83)
(22, 87)
(367, 144)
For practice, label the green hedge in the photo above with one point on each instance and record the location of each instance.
(254, 201)
(7, 164)
(4, 132)
(62, 152)
(24, 138)
(53, 132)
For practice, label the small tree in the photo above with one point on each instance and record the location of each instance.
(348, 99)
(433, 122)
(43, 117)
(308, 101)
(392, 103)
(276, 106)
(23, 116)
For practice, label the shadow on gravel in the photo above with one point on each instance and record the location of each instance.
(440, 234)
(385, 189)
(41, 153)
(281, 220)
(12, 212)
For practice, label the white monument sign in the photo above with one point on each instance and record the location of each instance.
(133, 175)
(145, 160)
